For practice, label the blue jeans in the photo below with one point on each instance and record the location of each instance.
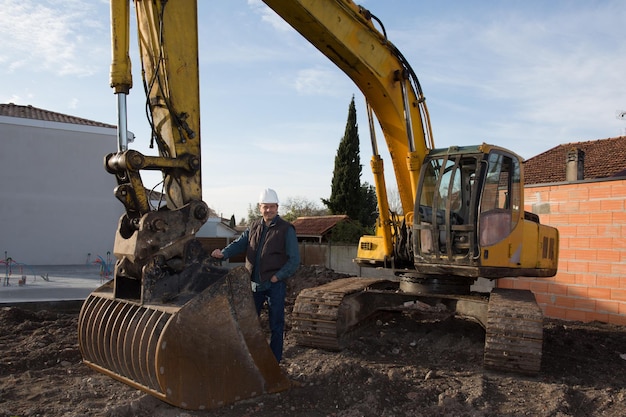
(275, 297)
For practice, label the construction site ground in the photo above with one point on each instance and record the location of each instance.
(403, 364)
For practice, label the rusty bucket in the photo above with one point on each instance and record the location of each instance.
(201, 355)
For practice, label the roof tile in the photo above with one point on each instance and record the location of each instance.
(318, 225)
(603, 158)
(34, 113)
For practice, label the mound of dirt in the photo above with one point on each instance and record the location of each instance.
(405, 364)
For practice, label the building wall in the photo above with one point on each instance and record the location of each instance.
(591, 280)
(57, 204)
(215, 228)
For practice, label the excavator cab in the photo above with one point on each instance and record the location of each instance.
(470, 219)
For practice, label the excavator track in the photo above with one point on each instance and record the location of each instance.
(322, 316)
(514, 333)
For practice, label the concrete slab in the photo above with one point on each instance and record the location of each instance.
(62, 283)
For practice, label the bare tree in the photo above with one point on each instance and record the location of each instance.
(395, 204)
(299, 206)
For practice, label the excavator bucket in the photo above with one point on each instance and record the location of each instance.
(200, 354)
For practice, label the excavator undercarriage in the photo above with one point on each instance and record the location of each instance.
(330, 315)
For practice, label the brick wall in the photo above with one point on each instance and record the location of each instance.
(591, 280)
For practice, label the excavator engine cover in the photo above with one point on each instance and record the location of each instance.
(200, 354)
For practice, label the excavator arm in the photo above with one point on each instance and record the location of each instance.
(345, 33)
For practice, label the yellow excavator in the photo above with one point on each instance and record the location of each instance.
(185, 331)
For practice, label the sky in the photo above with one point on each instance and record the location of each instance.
(526, 75)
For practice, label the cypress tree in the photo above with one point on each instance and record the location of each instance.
(346, 194)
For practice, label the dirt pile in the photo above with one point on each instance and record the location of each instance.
(404, 365)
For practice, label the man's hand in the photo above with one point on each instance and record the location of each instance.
(273, 279)
(217, 253)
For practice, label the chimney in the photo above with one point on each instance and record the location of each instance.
(575, 165)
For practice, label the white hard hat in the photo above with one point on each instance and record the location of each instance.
(268, 196)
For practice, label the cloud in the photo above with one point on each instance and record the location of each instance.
(56, 36)
(269, 16)
(320, 81)
(540, 75)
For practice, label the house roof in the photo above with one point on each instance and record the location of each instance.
(603, 158)
(34, 113)
(318, 225)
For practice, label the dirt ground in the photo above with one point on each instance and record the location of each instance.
(402, 365)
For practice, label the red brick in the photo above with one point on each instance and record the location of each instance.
(558, 289)
(565, 252)
(579, 266)
(618, 269)
(586, 254)
(602, 268)
(539, 286)
(521, 284)
(566, 278)
(599, 242)
(612, 205)
(602, 217)
(586, 206)
(580, 242)
(608, 255)
(579, 192)
(619, 243)
(585, 304)
(557, 219)
(600, 191)
(619, 217)
(576, 291)
(554, 312)
(611, 307)
(579, 218)
(587, 279)
(576, 315)
(618, 189)
(573, 207)
(505, 283)
(565, 301)
(599, 293)
(618, 294)
(617, 319)
(543, 299)
(558, 194)
(610, 230)
(607, 281)
(585, 230)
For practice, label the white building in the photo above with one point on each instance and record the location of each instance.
(215, 227)
(57, 205)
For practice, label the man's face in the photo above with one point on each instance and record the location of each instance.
(269, 211)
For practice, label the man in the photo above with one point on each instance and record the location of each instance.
(272, 256)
